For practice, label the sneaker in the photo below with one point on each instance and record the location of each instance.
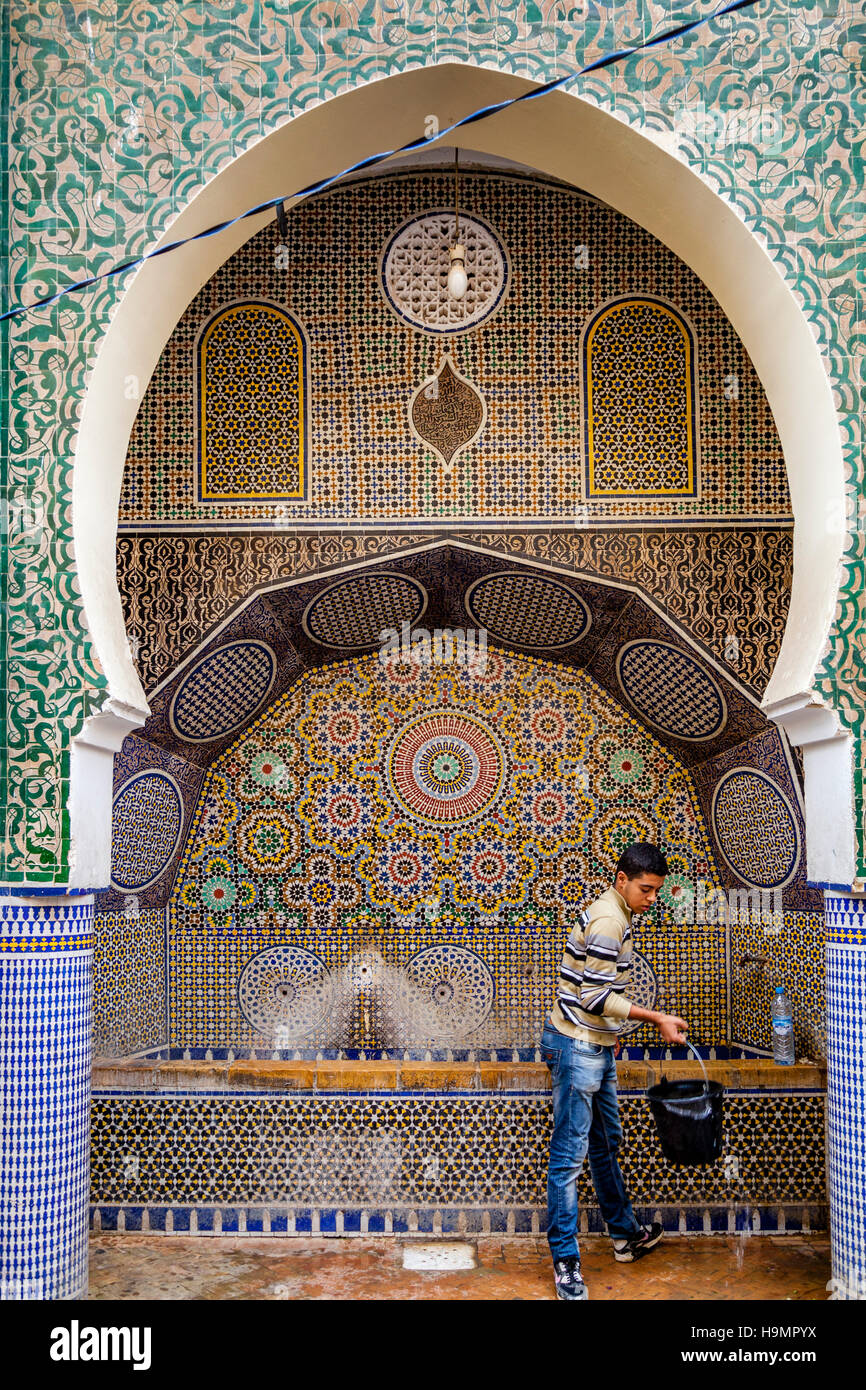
(633, 1247)
(568, 1279)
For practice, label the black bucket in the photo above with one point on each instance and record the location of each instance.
(688, 1117)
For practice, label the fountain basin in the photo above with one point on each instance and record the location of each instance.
(335, 1146)
(148, 1074)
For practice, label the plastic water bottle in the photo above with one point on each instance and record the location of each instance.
(783, 1028)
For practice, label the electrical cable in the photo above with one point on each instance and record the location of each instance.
(483, 113)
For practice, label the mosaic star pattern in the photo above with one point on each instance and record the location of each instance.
(179, 112)
(252, 406)
(756, 828)
(129, 981)
(411, 845)
(221, 693)
(446, 768)
(794, 950)
(483, 1152)
(147, 818)
(640, 402)
(284, 992)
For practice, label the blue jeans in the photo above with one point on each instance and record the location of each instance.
(585, 1120)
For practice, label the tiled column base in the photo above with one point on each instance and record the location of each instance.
(46, 959)
(846, 1091)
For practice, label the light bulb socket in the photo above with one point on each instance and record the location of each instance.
(458, 281)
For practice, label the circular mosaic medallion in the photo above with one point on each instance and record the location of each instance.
(756, 828)
(671, 690)
(354, 612)
(446, 993)
(284, 992)
(642, 989)
(528, 610)
(223, 691)
(445, 768)
(146, 823)
(413, 272)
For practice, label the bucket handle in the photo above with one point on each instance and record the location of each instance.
(701, 1060)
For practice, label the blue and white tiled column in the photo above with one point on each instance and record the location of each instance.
(846, 1091)
(46, 968)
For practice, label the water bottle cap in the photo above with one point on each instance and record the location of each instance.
(780, 989)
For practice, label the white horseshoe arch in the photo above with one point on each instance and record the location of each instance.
(567, 138)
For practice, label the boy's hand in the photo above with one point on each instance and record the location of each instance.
(672, 1028)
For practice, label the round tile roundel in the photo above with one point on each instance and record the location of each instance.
(642, 989)
(446, 993)
(352, 613)
(146, 821)
(223, 691)
(445, 767)
(671, 690)
(756, 828)
(527, 610)
(284, 992)
(414, 266)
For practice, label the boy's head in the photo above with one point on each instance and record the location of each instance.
(640, 874)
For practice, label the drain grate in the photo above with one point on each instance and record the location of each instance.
(438, 1254)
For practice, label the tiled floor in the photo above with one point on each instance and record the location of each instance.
(364, 1268)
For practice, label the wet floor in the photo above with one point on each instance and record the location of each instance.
(370, 1268)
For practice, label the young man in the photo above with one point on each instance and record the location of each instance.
(579, 1044)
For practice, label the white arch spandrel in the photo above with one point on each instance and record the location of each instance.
(562, 136)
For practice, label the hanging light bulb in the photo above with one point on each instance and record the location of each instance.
(457, 281)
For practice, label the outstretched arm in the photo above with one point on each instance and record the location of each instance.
(672, 1028)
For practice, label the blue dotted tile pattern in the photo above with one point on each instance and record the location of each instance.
(756, 828)
(846, 1092)
(222, 692)
(45, 1004)
(671, 690)
(129, 996)
(137, 757)
(147, 817)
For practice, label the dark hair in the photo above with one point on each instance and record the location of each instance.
(642, 858)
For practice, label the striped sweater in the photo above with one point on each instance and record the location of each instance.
(595, 970)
